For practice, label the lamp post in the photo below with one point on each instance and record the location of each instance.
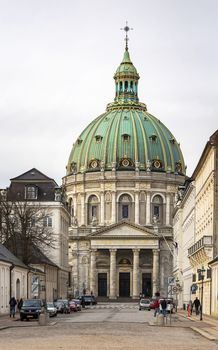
(201, 271)
(177, 286)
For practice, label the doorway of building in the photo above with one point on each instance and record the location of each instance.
(124, 284)
(146, 284)
(102, 284)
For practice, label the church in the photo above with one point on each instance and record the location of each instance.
(122, 177)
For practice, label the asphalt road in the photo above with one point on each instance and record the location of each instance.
(110, 326)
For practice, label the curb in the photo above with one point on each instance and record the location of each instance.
(203, 333)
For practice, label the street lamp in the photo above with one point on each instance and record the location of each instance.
(201, 271)
(177, 286)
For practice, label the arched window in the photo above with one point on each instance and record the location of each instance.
(93, 210)
(126, 86)
(157, 208)
(125, 207)
(121, 86)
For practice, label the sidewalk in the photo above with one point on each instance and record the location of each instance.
(208, 327)
(7, 322)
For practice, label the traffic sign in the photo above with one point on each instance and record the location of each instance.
(175, 289)
(171, 281)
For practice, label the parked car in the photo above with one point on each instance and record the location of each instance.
(72, 306)
(88, 299)
(60, 306)
(66, 309)
(31, 309)
(78, 304)
(144, 304)
(51, 309)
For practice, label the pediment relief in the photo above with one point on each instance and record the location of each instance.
(123, 230)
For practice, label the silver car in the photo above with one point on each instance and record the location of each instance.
(144, 304)
(51, 309)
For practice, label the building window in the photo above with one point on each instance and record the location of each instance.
(94, 211)
(125, 211)
(31, 192)
(156, 211)
(208, 273)
(194, 277)
(47, 221)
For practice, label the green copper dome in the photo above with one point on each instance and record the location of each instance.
(126, 136)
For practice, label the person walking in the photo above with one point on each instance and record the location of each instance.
(163, 304)
(197, 305)
(20, 304)
(156, 307)
(12, 304)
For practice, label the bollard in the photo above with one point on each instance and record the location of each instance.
(43, 319)
(160, 320)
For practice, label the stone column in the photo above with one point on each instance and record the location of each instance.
(135, 289)
(148, 208)
(113, 208)
(93, 271)
(137, 208)
(155, 274)
(82, 209)
(168, 210)
(113, 277)
(102, 209)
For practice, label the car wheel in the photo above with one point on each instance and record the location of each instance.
(139, 309)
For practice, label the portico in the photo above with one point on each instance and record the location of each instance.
(124, 265)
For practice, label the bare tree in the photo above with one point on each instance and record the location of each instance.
(23, 226)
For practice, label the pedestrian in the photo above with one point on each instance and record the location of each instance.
(20, 304)
(12, 304)
(163, 304)
(196, 304)
(156, 307)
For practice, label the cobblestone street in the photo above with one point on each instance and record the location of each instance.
(104, 327)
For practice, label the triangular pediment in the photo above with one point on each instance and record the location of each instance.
(124, 229)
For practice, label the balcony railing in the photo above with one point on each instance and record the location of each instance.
(205, 241)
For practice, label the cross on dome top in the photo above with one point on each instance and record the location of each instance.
(126, 29)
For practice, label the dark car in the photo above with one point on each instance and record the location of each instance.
(88, 299)
(31, 309)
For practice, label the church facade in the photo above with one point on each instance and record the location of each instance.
(122, 176)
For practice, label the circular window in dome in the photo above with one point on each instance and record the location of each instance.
(125, 162)
(157, 164)
(94, 164)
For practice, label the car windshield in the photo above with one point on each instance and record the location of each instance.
(145, 301)
(50, 305)
(32, 303)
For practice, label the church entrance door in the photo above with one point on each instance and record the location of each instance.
(124, 284)
(146, 284)
(102, 284)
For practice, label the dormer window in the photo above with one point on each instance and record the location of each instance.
(79, 141)
(126, 137)
(31, 192)
(98, 138)
(153, 138)
(172, 141)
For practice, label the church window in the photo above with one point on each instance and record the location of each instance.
(125, 211)
(157, 208)
(156, 211)
(121, 86)
(31, 192)
(131, 86)
(153, 138)
(126, 86)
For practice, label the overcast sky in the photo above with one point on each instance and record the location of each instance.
(56, 73)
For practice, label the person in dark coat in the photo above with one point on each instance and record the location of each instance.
(163, 304)
(12, 304)
(20, 304)
(197, 305)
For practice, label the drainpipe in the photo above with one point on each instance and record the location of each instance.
(28, 284)
(11, 268)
